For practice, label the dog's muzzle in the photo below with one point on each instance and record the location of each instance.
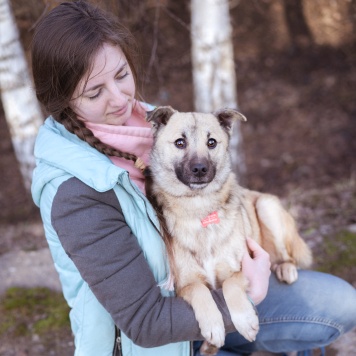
(195, 173)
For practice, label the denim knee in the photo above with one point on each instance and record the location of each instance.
(310, 313)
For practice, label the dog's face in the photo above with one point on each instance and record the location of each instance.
(190, 152)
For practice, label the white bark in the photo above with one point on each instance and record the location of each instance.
(20, 104)
(214, 76)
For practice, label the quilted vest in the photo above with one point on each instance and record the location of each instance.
(93, 327)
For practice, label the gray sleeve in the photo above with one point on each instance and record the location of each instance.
(94, 234)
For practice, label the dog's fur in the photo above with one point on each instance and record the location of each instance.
(190, 178)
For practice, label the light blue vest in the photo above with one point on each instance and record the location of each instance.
(93, 327)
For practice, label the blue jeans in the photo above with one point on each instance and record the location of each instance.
(310, 313)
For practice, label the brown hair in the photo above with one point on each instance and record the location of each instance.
(64, 46)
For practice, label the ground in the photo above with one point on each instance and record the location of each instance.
(299, 143)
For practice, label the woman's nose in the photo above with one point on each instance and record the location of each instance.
(117, 97)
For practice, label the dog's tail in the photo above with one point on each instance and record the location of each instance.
(280, 235)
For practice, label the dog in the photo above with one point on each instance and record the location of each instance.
(206, 216)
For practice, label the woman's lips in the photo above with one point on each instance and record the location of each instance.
(121, 111)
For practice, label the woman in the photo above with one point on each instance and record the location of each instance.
(102, 232)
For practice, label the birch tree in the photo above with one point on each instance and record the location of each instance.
(214, 76)
(22, 111)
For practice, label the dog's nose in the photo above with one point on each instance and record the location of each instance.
(199, 169)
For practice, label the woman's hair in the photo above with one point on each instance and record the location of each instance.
(64, 46)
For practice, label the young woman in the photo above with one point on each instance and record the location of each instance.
(102, 231)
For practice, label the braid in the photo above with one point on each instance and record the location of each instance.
(78, 128)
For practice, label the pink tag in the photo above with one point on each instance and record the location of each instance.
(212, 218)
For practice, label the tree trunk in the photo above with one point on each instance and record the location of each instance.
(22, 111)
(299, 32)
(214, 68)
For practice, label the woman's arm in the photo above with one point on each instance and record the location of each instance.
(94, 234)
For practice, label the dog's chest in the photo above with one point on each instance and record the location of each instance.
(210, 231)
(214, 245)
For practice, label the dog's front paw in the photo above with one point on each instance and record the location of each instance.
(213, 330)
(286, 272)
(246, 323)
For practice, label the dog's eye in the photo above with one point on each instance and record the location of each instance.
(212, 143)
(180, 143)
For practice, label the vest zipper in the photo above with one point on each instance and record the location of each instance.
(118, 348)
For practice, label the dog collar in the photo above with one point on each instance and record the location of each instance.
(212, 218)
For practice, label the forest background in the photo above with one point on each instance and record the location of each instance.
(295, 64)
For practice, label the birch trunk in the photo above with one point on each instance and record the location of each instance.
(22, 111)
(214, 76)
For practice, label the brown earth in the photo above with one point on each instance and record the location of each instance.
(299, 141)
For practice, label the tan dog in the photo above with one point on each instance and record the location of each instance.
(206, 217)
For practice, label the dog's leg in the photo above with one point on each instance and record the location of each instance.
(243, 313)
(279, 229)
(206, 312)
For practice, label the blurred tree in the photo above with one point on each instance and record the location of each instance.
(330, 22)
(353, 21)
(22, 112)
(299, 31)
(213, 64)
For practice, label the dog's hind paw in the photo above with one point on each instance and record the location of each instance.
(208, 349)
(286, 272)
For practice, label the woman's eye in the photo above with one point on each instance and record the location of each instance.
(180, 143)
(94, 96)
(122, 76)
(212, 143)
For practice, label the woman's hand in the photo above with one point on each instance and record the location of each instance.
(256, 267)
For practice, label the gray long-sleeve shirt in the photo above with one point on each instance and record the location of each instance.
(94, 234)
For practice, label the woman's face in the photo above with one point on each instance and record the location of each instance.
(107, 97)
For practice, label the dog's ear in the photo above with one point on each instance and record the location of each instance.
(227, 117)
(160, 115)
